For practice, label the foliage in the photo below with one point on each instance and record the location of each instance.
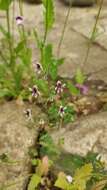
(42, 168)
(81, 178)
(4, 5)
(54, 115)
(48, 147)
(35, 180)
(48, 14)
(79, 77)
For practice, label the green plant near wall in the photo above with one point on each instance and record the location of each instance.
(43, 85)
(15, 57)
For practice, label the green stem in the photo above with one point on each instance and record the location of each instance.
(21, 7)
(63, 30)
(92, 35)
(46, 26)
(21, 14)
(9, 33)
(13, 17)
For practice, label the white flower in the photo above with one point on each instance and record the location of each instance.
(28, 114)
(41, 122)
(37, 67)
(19, 20)
(59, 88)
(34, 91)
(69, 178)
(62, 111)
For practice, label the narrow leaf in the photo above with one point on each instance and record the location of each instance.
(48, 14)
(4, 4)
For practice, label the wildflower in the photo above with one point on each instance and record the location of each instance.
(41, 122)
(37, 67)
(28, 114)
(59, 87)
(83, 88)
(34, 91)
(62, 111)
(69, 178)
(19, 20)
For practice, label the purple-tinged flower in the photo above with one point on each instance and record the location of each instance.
(37, 67)
(35, 92)
(59, 88)
(28, 114)
(83, 88)
(19, 20)
(62, 111)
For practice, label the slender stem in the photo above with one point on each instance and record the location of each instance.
(46, 26)
(13, 20)
(63, 30)
(22, 29)
(9, 33)
(61, 123)
(21, 14)
(92, 35)
(21, 7)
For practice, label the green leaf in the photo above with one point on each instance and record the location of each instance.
(82, 175)
(48, 147)
(19, 47)
(53, 69)
(69, 114)
(18, 77)
(38, 40)
(42, 86)
(34, 182)
(61, 182)
(50, 65)
(53, 113)
(80, 78)
(48, 14)
(6, 92)
(73, 90)
(4, 4)
(47, 58)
